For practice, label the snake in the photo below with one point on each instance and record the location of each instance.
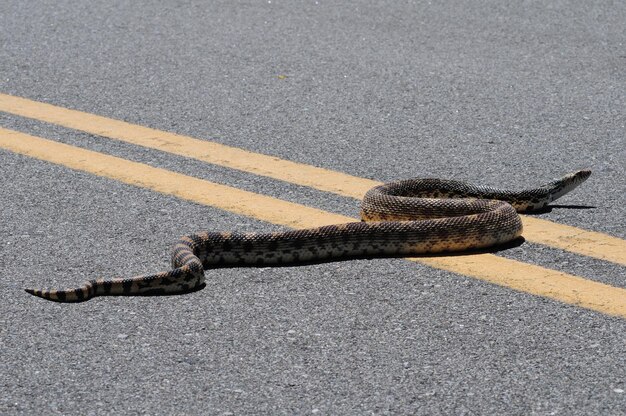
(402, 218)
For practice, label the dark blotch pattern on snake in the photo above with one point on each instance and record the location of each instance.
(409, 217)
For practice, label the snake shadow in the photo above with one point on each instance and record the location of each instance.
(549, 208)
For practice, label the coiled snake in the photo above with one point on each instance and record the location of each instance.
(408, 217)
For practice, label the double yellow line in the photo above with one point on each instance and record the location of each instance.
(509, 273)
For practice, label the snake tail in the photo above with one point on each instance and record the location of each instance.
(186, 276)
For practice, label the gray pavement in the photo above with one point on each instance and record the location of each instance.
(493, 93)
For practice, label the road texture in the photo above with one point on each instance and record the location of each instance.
(501, 94)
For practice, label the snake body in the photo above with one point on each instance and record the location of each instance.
(408, 217)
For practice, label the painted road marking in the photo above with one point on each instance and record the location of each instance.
(206, 151)
(520, 276)
(536, 230)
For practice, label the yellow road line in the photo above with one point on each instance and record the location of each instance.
(524, 277)
(164, 181)
(576, 240)
(211, 152)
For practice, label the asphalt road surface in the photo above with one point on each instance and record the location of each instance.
(512, 94)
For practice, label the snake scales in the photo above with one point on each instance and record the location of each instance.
(408, 217)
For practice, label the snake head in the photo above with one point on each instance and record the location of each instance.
(566, 184)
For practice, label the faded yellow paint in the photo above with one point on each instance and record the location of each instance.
(523, 277)
(576, 240)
